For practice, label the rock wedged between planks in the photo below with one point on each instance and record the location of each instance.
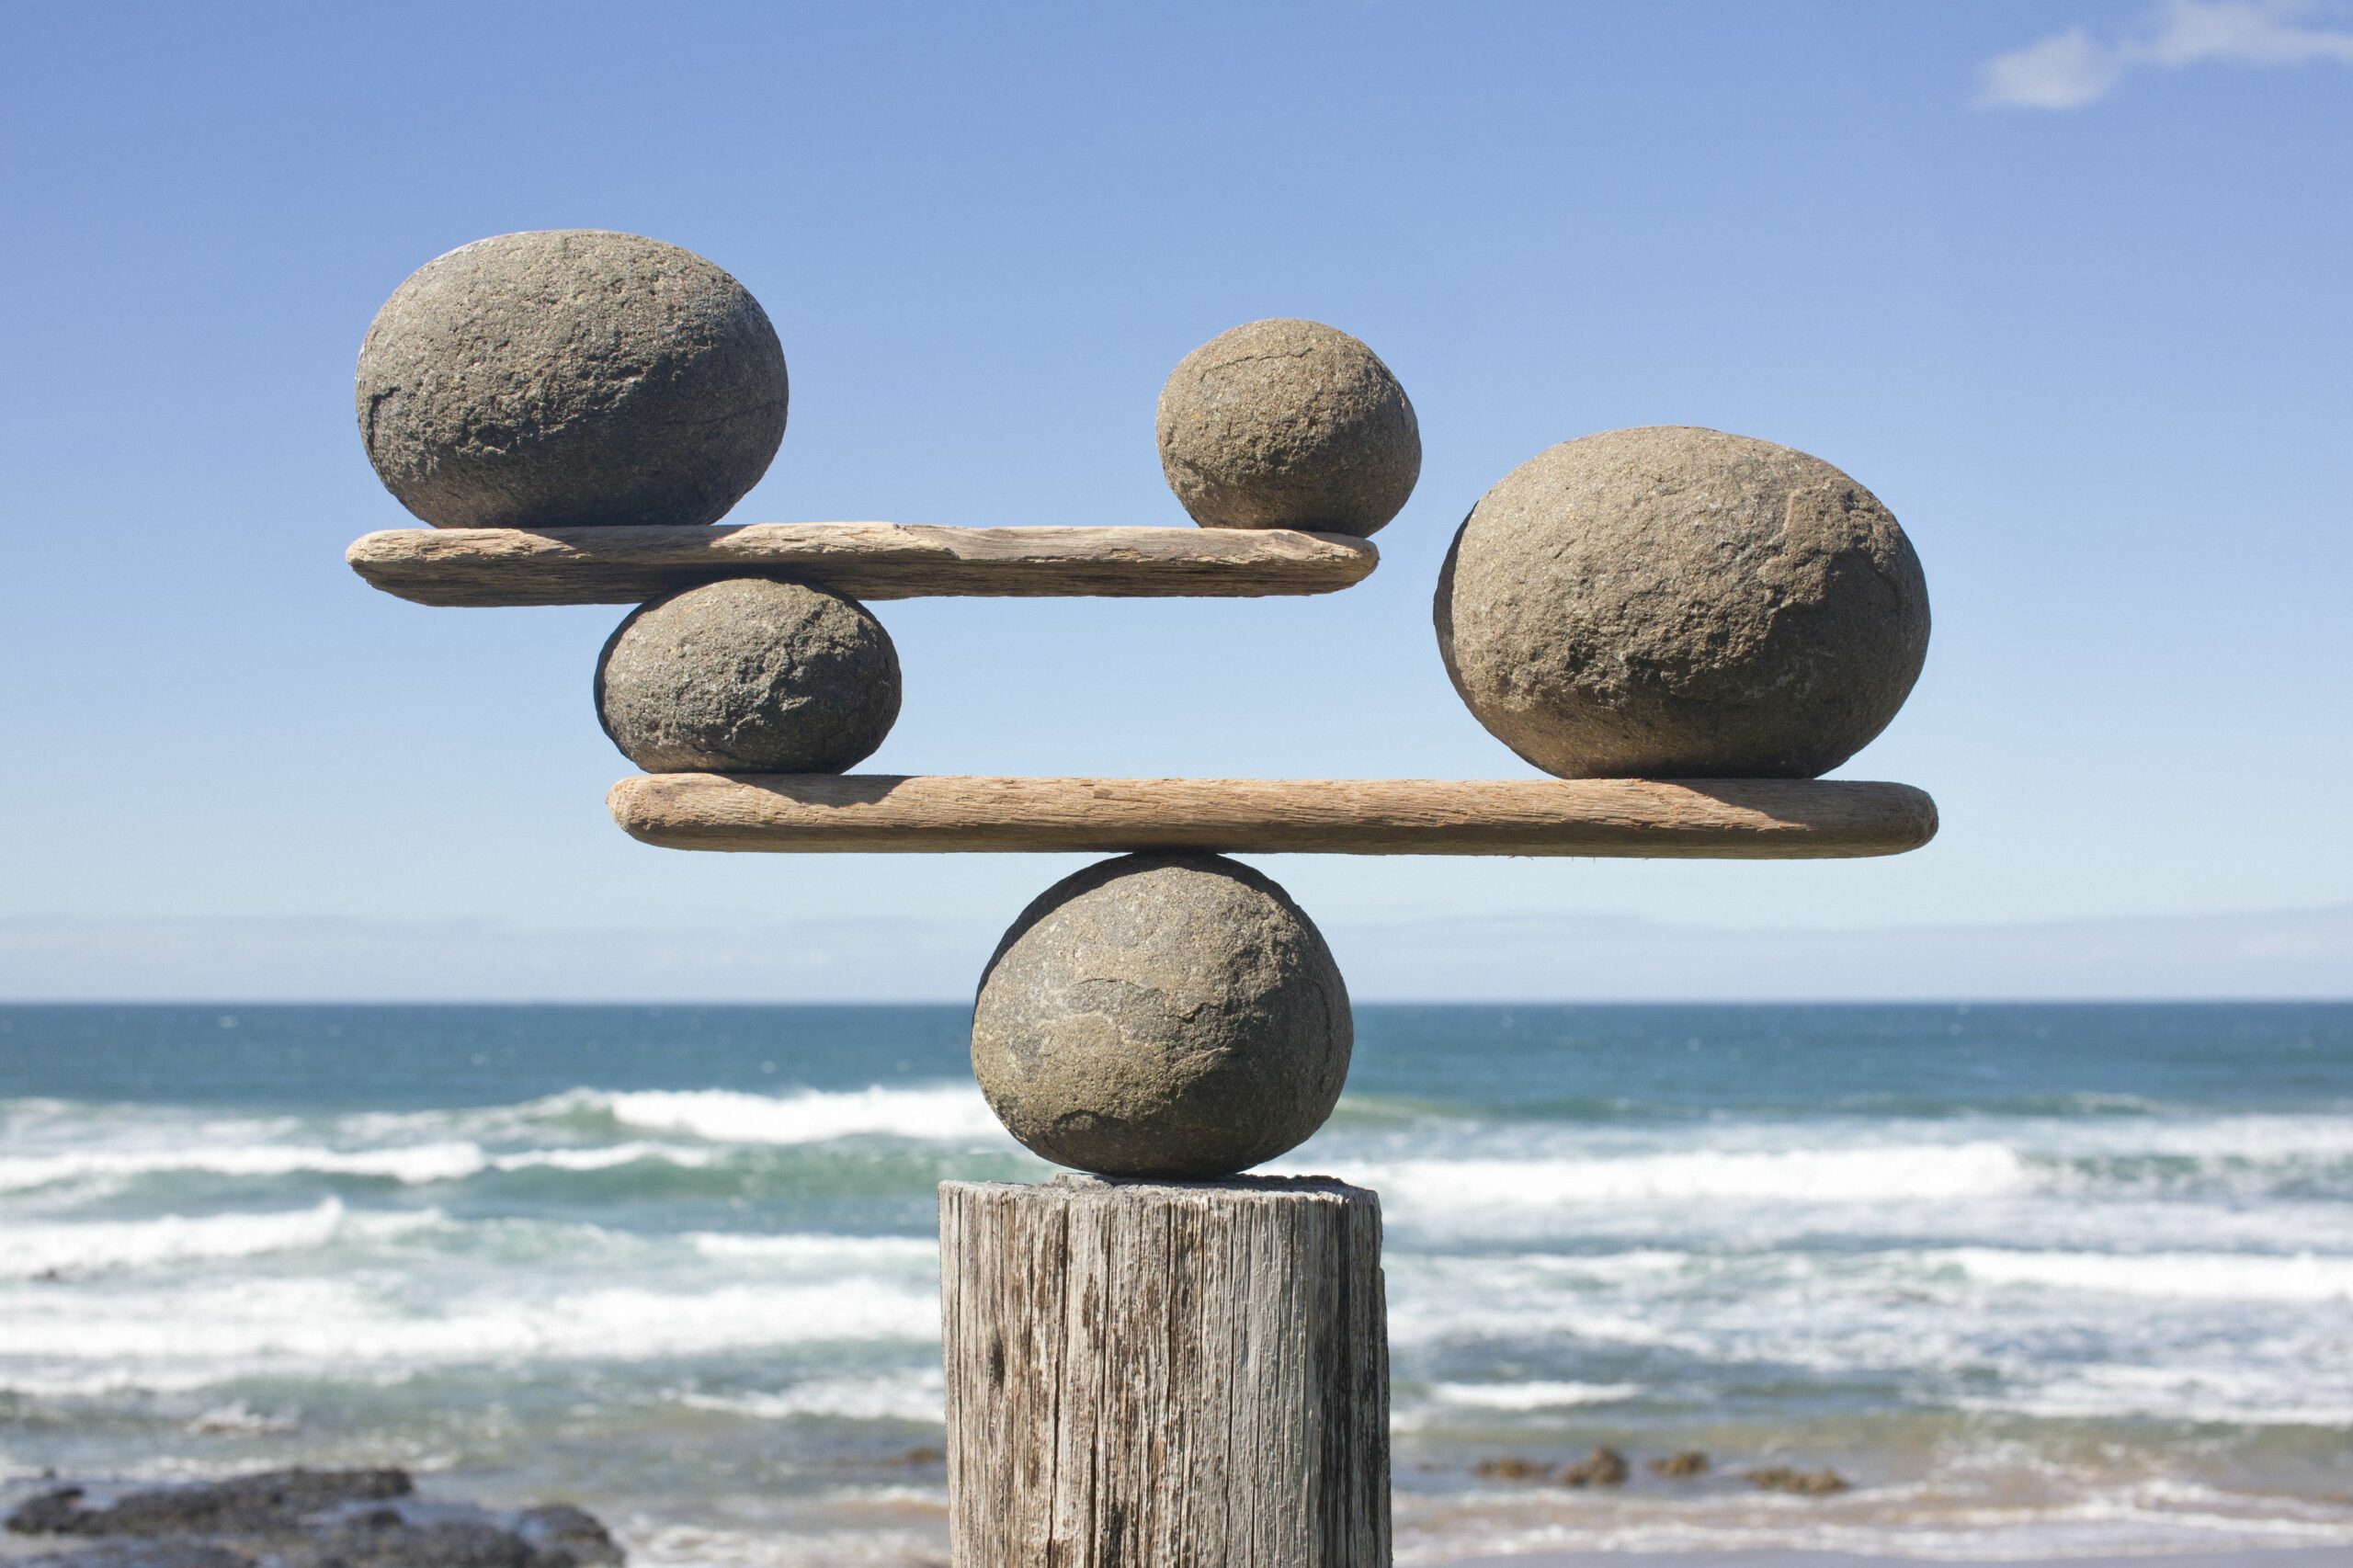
(489, 567)
(1164, 1375)
(1737, 819)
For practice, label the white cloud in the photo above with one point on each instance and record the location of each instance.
(2071, 69)
(2065, 72)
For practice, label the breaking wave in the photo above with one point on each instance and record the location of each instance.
(945, 1113)
(1901, 1173)
(36, 1251)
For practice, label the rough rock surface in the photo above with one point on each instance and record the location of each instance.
(306, 1518)
(1162, 1015)
(1511, 1467)
(748, 677)
(271, 1500)
(570, 377)
(1673, 602)
(1287, 425)
(147, 1554)
(1680, 1466)
(1603, 1467)
(1803, 1482)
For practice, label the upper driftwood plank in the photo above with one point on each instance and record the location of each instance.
(865, 560)
(1734, 818)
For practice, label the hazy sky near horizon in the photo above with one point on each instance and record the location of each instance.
(2069, 286)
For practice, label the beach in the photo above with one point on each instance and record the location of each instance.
(2034, 1283)
(2287, 1557)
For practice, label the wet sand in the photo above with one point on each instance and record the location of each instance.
(2293, 1557)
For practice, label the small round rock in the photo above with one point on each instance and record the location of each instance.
(1162, 1015)
(748, 677)
(569, 378)
(1287, 425)
(1674, 602)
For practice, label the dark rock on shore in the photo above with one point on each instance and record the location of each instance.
(271, 1503)
(146, 1554)
(306, 1518)
(1603, 1467)
(1682, 1466)
(1803, 1482)
(1511, 1467)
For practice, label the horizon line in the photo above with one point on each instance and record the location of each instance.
(1957, 1002)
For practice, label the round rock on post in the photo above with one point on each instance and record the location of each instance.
(1678, 603)
(1162, 1015)
(568, 378)
(1287, 425)
(748, 676)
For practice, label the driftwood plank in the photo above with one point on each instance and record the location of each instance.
(866, 560)
(1147, 1375)
(1739, 819)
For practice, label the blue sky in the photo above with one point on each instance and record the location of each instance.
(2066, 284)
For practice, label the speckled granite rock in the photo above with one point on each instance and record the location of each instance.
(570, 377)
(1162, 1015)
(748, 677)
(1287, 425)
(1680, 603)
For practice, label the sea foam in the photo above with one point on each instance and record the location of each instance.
(1535, 1395)
(942, 1113)
(415, 1165)
(31, 1251)
(333, 1328)
(1894, 1173)
(815, 1249)
(919, 1395)
(2198, 1275)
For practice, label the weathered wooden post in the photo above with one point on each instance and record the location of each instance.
(1154, 1372)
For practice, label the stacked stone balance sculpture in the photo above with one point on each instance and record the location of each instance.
(1163, 1360)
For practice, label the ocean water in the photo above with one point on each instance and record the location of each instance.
(2040, 1280)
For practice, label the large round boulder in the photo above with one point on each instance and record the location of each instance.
(1162, 1015)
(570, 377)
(1672, 602)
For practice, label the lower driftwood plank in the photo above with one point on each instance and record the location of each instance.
(1751, 819)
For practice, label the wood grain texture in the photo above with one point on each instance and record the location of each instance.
(1178, 1375)
(1751, 819)
(865, 560)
